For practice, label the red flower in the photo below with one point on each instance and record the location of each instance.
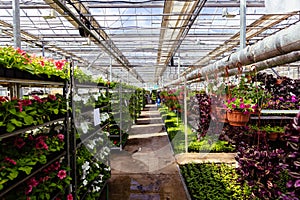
(52, 97)
(62, 174)
(69, 197)
(61, 137)
(59, 64)
(21, 52)
(42, 63)
(3, 99)
(19, 142)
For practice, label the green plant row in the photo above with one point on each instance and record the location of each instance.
(208, 181)
(210, 145)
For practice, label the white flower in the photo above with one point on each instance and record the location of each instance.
(96, 189)
(101, 176)
(90, 146)
(76, 98)
(86, 166)
(85, 99)
(85, 182)
(84, 126)
(107, 169)
(97, 165)
(94, 141)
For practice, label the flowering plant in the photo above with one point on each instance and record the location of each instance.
(17, 58)
(24, 152)
(246, 97)
(239, 104)
(92, 173)
(20, 113)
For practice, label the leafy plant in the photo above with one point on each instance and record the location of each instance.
(214, 181)
(21, 154)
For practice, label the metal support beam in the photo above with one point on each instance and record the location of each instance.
(242, 24)
(16, 22)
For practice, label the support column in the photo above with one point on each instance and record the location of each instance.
(16, 23)
(185, 118)
(242, 24)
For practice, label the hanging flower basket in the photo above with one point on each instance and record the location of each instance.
(237, 118)
(221, 114)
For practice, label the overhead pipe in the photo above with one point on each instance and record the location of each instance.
(281, 43)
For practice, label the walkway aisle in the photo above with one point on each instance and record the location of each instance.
(146, 169)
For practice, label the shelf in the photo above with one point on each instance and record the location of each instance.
(6, 135)
(279, 111)
(89, 85)
(272, 117)
(32, 174)
(26, 82)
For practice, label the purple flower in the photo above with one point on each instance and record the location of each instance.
(281, 98)
(294, 99)
(297, 183)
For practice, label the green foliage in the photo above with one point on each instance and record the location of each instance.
(213, 181)
(210, 145)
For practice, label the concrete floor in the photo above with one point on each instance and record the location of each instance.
(146, 168)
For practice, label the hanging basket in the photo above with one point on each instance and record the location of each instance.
(221, 114)
(236, 118)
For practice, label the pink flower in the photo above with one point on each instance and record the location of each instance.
(69, 197)
(62, 174)
(26, 102)
(294, 99)
(41, 143)
(19, 142)
(246, 112)
(56, 166)
(233, 106)
(33, 182)
(28, 190)
(38, 99)
(61, 137)
(11, 161)
(281, 98)
(43, 179)
(20, 106)
(242, 105)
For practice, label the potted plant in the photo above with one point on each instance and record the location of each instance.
(271, 132)
(244, 99)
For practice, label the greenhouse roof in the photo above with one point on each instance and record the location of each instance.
(144, 40)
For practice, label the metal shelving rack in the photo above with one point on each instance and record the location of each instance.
(76, 143)
(15, 85)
